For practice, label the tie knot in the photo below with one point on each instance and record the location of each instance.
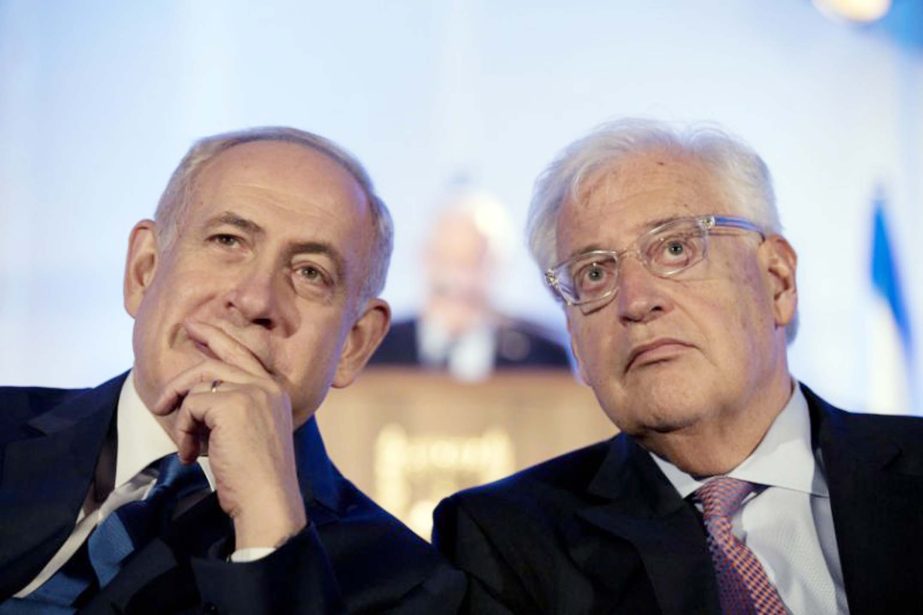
(722, 496)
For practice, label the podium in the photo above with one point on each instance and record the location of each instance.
(408, 437)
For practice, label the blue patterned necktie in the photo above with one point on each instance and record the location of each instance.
(111, 544)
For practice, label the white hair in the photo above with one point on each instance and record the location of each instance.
(175, 199)
(741, 171)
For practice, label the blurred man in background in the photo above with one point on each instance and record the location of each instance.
(253, 291)
(732, 487)
(458, 328)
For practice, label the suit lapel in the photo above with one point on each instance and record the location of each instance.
(640, 506)
(46, 479)
(318, 479)
(876, 496)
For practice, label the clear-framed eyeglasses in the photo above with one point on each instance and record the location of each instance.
(665, 251)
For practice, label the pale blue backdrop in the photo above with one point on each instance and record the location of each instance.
(98, 101)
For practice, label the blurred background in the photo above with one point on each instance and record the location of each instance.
(99, 100)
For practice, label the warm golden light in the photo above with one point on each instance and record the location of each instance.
(863, 11)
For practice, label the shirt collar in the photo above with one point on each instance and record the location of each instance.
(784, 458)
(141, 439)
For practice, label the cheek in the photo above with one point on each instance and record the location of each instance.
(738, 292)
(738, 320)
(595, 347)
(309, 365)
(314, 350)
(754, 301)
(172, 298)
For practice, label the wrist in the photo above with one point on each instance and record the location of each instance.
(268, 525)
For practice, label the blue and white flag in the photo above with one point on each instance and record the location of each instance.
(891, 344)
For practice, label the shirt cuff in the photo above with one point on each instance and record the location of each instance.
(250, 554)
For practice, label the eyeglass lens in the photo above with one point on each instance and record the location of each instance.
(664, 252)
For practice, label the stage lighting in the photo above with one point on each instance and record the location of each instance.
(861, 11)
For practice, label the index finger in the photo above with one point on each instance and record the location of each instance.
(225, 348)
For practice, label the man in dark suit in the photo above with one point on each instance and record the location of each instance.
(513, 343)
(731, 487)
(458, 329)
(253, 291)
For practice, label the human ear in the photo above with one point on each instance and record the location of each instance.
(361, 341)
(781, 264)
(140, 264)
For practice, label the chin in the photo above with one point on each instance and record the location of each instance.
(661, 407)
(669, 384)
(646, 420)
(674, 421)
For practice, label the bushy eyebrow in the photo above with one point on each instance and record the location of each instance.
(593, 247)
(291, 251)
(234, 220)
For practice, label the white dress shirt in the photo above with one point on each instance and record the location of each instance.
(141, 441)
(789, 524)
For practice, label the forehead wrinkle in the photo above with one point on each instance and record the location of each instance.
(270, 189)
(647, 226)
(648, 180)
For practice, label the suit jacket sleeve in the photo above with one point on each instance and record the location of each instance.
(300, 578)
(493, 586)
(296, 578)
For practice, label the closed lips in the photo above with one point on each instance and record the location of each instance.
(653, 349)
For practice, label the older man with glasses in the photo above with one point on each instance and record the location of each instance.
(732, 487)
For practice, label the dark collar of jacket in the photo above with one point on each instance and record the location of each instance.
(46, 472)
(48, 461)
(637, 504)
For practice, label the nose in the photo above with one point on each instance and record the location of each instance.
(259, 296)
(640, 297)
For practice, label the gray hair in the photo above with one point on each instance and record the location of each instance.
(175, 199)
(744, 175)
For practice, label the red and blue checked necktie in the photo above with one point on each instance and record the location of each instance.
(743, 587)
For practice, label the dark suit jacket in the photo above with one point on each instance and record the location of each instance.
(602, 530)
(352, 557)
(519, 344)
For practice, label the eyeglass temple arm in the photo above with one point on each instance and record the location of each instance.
(731, 222)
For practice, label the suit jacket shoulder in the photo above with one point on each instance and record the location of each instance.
(49, 447)
(19, 405)
(564, 479)
(571, 535)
